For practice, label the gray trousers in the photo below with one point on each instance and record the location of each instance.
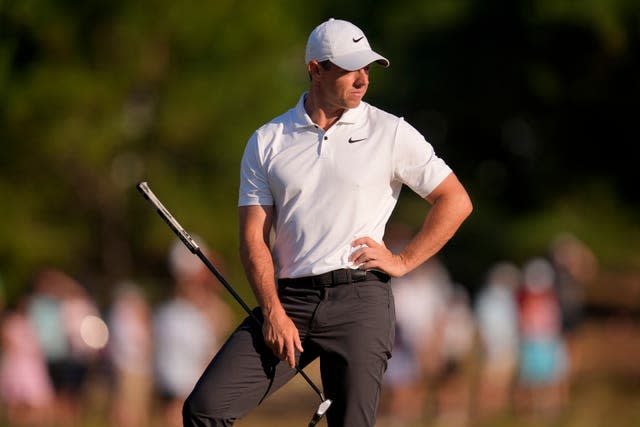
(349, 327)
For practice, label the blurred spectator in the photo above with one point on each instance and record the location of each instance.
(44, 309)
(59, 308)
(188, 329)
(458, 357)
(575, 267)
(420, 302)
(130, 352)
(26, 392)
(497, 319)
(543, 360)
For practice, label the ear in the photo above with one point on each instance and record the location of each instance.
(313, 67)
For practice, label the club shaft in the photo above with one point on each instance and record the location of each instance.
(226, 284)
(246, 308)
(190, 243)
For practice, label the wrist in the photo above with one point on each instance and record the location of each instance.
(403, 264)
(271, 308)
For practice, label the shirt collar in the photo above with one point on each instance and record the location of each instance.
(353, 115)
(302, 120)
(300, 117)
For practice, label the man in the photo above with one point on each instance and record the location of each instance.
(326, 176)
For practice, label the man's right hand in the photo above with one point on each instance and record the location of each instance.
(281, 335)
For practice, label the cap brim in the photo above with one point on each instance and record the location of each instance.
(356, 60)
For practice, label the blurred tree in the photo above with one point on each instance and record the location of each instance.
(532, 102)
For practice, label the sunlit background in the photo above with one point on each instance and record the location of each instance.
(530, 316)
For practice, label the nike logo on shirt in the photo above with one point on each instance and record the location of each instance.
(351, 140)
(356, 40)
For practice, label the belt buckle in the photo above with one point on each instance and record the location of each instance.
(358, 275)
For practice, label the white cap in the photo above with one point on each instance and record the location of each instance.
(343, 44)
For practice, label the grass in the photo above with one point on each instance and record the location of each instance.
(605, 393)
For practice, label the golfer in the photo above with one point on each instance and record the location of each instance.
(325, 177)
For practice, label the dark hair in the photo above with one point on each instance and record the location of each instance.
(326, 64)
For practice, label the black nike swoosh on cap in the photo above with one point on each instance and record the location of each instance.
(351, 140)
(356, 40)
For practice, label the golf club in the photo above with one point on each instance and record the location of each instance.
(191, 244)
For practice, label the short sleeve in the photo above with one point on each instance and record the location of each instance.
(254, 184)
(415, 161)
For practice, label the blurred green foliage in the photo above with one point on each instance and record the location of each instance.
(533, 103)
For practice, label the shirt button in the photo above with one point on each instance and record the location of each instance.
(326, 137)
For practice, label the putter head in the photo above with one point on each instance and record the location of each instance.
(322, 409)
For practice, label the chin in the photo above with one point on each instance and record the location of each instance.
(353, 103)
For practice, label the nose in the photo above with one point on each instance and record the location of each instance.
(362, 77)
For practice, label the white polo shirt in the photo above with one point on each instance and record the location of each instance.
(328, 188)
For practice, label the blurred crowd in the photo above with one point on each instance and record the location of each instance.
(61, 355)
(508, 348)
(458, 356)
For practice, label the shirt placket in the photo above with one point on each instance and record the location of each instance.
(328, 140)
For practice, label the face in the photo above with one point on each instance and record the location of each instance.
(340, 88)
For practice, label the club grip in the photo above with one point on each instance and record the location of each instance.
(191, 244)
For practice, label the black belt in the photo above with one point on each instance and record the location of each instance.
(334, 278)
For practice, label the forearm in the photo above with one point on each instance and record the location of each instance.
(255, 225)
(441, 223)
(259, 269)
(280, 333)
(450, 206)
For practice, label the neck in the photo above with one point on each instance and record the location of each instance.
(321, 113)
